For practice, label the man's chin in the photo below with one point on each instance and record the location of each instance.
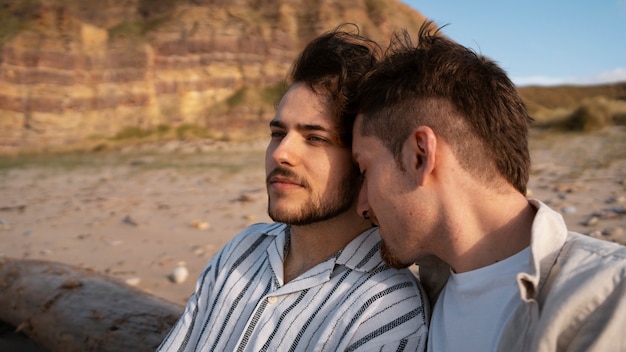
(280, 209)
(288, 217)
(390, 259)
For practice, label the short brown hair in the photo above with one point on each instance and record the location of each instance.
(466, 98)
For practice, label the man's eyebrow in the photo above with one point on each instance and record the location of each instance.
(303, 127)
(276, 123)
(308, 127)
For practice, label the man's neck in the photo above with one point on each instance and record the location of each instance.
(492, 231)
(315, 243)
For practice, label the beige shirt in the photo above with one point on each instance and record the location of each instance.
(573, 298)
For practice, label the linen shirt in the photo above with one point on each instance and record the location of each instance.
(350, 302)
(572, 298)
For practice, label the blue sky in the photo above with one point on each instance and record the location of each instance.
(544, 42)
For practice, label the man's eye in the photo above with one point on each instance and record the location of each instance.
(316, 139)
(277, 134)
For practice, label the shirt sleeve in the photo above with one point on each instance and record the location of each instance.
(186, 332)
(183, 335)
(416, 342)
(603, 329)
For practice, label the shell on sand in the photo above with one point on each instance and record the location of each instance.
(179, 274)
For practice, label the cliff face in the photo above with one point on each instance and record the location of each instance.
(71, 69)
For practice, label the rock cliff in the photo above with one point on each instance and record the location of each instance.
(73, 69)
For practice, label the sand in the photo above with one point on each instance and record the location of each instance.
(137, 213)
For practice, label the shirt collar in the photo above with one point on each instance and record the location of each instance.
(361, 254)
(548, 235)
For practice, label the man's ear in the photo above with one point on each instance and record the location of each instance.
(422, 145)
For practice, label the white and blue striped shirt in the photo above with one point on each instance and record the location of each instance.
(350, 302)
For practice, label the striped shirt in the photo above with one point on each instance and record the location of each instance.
(350, 302)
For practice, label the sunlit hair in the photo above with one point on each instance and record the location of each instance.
(466, 98)
(332, 65)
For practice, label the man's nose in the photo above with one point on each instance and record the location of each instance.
(286, 152)
(363, 207)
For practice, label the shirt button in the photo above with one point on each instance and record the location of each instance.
(272, 299)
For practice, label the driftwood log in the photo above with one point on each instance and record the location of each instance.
(65, 308)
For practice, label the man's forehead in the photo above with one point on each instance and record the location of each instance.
(301, 106)
(317, 122)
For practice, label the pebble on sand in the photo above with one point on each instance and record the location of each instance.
(568, 210)
(130, 221)
(179, 274)
(200, 225)
(592, 221)
(133, 281)
(616, 200)
(613, 231)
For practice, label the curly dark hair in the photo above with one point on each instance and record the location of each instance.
(332, 65)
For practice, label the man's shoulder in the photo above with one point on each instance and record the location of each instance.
(585, 263)
(257, 230)
(253, 236)
(584, 290)
(593, 250)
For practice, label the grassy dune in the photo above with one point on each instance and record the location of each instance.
(576, 108)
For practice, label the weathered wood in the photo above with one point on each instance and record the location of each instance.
(65, 308)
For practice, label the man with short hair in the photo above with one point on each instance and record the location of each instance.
(313, 280)
(441, 141)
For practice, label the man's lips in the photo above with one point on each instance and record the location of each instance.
(283, 180)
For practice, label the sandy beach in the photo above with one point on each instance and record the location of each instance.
(138, 213)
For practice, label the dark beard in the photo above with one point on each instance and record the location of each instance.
(390, 259)
(335, 204)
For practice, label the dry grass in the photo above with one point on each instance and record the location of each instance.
(568, 97)
(591, 114)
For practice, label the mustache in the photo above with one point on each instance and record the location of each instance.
(287, 173)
